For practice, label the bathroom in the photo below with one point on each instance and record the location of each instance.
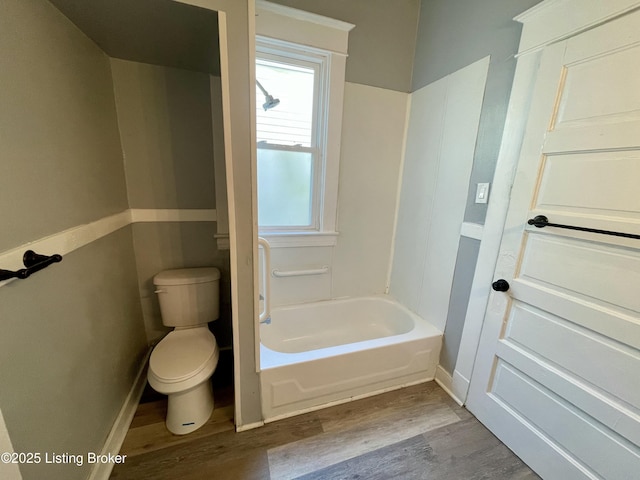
(90, 159)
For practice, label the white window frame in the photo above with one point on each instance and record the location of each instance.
(280, 26)
(279, 51)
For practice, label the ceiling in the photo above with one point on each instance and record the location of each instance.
(160, 32)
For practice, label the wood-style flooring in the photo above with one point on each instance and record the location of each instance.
(413, 433)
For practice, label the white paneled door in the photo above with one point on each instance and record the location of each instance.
(557, 375)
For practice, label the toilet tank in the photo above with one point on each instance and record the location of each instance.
(188, 296)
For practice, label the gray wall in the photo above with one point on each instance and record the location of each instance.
(71, 345)
(460, 290)
(73, 336)
(57, 107)
(166, 245)
(165, 122)
(164, 115)
(160, 32)
(381, 46)
(244, 232)
(451, 35)
(455, 33)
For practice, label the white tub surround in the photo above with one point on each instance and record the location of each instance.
(441, 139)
(323, 353)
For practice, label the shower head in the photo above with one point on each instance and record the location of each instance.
(269, 101)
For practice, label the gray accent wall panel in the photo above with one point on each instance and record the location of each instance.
(164, 116)
(165, 121)
(454, 33)
(381, 46)
(451, 35)
(72, 335)
(460, 291)
(71, 345)
(60, 153)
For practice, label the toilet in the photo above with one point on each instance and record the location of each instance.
(182, 363)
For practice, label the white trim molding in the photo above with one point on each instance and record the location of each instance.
(172, 215)
(555, 20)
(295, 239)
(220, 169)
(299, 26)
(67, 241)
(222, 239)
(471, 230)
(249, 426)
(330, 37)
(446, 383)
(303, 15)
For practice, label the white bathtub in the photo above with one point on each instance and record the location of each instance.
(317, 354)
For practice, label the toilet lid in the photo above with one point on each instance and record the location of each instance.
(182, 354)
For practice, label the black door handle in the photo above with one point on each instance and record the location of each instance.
(500, 285)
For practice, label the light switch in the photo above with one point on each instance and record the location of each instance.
(482, 193)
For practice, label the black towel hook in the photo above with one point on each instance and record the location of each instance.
(33, 262)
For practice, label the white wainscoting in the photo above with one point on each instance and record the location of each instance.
(440, 145)
(375, 122)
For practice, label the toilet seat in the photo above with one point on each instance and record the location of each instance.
(183, 359)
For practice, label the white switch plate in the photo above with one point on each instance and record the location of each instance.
(482, 193)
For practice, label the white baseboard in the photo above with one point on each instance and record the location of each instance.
(102, 471)
(249, 426)
(446, 382)
(460, 386)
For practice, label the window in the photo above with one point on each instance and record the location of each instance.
(290, 98)
(300, 61)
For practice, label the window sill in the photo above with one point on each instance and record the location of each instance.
(300, 239)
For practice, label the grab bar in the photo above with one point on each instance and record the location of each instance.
(33, 262)
(298, 273)
(541, 221)
(265, 315)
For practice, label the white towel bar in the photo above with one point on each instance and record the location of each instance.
(298, 273)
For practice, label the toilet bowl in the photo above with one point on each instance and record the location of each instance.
(182, 364)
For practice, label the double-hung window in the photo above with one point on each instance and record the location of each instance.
(291, 91)
(300, 72)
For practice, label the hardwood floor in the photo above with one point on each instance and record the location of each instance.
(413, 433)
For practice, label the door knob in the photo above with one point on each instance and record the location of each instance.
(500, 285)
